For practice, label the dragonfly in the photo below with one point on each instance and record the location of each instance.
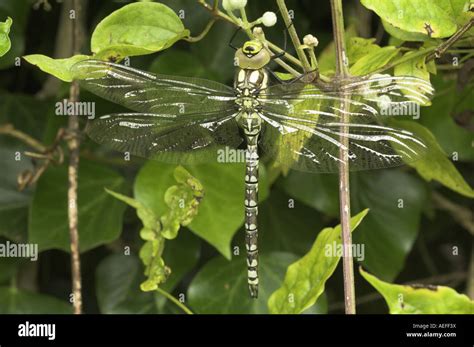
(301, 126)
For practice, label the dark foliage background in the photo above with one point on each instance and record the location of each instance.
(410, 244)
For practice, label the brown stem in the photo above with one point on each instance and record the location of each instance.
(344, 192)
(439, 51)
(431, 52)
(8, 129)
(73, 144)
(461, 214)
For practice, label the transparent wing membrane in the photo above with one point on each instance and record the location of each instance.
(316, 148)
(181, 120)
(151, 93)
(187, 120)
(306, 126)
(168, 139)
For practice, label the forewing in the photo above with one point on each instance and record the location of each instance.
(152, 93)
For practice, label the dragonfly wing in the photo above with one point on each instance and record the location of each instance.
(304, 125)
(171, 139)
(152, 93)
(296, 145)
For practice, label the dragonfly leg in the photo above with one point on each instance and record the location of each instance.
(251, 212)
(231, 41)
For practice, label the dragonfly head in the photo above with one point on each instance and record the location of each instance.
(253, 55)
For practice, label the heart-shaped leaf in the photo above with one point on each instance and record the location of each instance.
(100, 215)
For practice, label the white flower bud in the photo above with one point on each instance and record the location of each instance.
(269, 19)
(310, 41)
(230, 5)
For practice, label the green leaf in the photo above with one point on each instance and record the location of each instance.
(415, 67)
(327, 58)
(59, 68)
(180, 255)
(416, 16)
(118, 278)
(221, 211)
(13, 203)
(402, 34)
(137, 29)
(118, 291)
(305, 279)
(358, 47)
(181, 63)
(221, 285)
(458, 9)
(373, 60)
(285, 225)
(439, 117)
(25, 113)
(19, 10)
(415, 299)
(436, 165)
(390, 230)
(182, 201)
(16, 301)
(100, 215)
(9, 267)
(5, 43)
(317, 191)
(215, 55)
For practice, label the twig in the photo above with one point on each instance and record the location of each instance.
(293, 35)
(217, 14)
(203, 33)
(8, 129)
(461, 214)
(431, 52)
(73, 144)
(344, 193)
(174, 300)
(46, 154)
(439, 51)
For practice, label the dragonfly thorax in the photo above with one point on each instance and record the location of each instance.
(248, 85)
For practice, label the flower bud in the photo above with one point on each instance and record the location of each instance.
(310, 41)
(269, 19)
(230, 5)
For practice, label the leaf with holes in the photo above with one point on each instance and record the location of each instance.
(417, 299)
